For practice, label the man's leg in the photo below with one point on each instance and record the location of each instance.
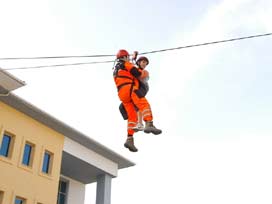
(131, 125)
(145, 109)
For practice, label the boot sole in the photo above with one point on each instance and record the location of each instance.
(132, 150)
(153, 132)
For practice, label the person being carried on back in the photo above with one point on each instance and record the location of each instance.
(127, 79)
(141, 62)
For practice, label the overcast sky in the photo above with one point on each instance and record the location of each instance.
(213, 103)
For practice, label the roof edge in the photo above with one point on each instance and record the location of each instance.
(41, 116)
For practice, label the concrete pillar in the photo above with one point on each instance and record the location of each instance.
(103, 189)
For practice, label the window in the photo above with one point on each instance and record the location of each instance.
(62, 194)
(19, 200)
(47, 162)
(1, 197)
(28, 154)
(5, 146)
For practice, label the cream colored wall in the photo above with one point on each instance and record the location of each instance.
(15, 178)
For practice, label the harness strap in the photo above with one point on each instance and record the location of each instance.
(121, 85)
(124, 77)
(116, 75)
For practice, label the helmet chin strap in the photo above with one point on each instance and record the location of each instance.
(126, 58)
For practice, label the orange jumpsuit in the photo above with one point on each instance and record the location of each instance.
(125, 77)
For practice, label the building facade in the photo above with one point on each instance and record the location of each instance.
(30, 157)
(44, 161)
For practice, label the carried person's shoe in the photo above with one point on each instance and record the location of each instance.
(140, 127)
(137, 128)
(130, 144)
(150, 128)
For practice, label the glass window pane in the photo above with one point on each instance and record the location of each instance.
(62, 194)
(46, 162)
(61, 199)
(62, 186)
(27, 154)
(5, 145)
(19, 201)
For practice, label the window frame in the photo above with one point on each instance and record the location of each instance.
(24, 201)
(30, 156)
(6, 142)
(66, 193)
(9, 155)
(50, 163)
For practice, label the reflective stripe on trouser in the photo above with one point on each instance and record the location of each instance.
(132, 117)
(146, 114)
(125, 97)
(143, 106)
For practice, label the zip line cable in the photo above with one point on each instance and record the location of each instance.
(59, 65)
(143, 53)
(150, 52)
(207, 43)
(54, 57)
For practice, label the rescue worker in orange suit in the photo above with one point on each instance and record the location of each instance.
(126, 77)
(142, 62)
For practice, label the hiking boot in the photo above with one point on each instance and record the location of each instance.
(130, 144)
(150, 128)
